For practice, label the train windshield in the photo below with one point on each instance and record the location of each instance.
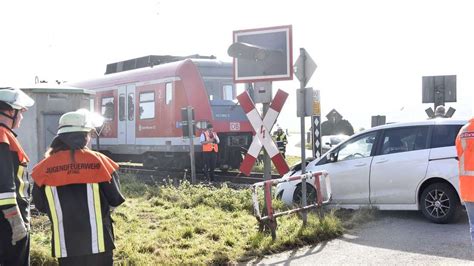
(220, 89)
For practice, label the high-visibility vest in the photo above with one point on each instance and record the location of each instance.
(465, 150)
(209, 146)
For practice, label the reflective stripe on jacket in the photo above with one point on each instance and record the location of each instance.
(465, 151)
(80, 216)
(209, 146)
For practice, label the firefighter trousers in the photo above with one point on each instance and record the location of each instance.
(13, 255)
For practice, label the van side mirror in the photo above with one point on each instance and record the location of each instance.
(332, 157)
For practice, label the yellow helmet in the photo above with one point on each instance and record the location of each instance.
(15, 98)
(81, 120)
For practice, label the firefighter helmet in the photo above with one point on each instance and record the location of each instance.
(81, 120)
(15, 98)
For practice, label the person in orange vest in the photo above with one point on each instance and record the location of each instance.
(210, 148)
(78, 188)
(15, 192)
(465, 150)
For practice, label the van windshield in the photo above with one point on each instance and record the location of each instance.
(338, 139)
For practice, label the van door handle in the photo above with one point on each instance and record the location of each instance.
(382, 161)
(360, 164)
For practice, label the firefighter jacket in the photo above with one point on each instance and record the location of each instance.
(281, 141)
(77, 196)
(465, 150)
(14, 181)
(208, 147)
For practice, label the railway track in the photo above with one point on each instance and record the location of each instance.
(159, 176)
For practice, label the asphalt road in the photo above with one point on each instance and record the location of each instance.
(393, 238)
(293, 150)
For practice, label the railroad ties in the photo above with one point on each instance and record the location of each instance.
(160, 176)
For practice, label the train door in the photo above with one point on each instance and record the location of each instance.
(126, 121)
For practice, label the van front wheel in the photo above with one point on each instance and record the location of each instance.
(439, 203)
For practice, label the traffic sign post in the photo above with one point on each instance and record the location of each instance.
(262, 128)
(264, 54)
(304, 69)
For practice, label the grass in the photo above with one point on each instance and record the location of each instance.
(290, 160)
(193, 225)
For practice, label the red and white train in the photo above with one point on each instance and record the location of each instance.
(142, 107)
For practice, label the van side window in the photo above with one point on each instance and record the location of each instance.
(404, 139)
(444, 135)
(360, 147)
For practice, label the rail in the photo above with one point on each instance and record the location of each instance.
(152, 175)
(269, 220)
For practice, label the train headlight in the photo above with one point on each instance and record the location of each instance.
(238, 141)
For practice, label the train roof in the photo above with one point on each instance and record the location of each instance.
(207, 67)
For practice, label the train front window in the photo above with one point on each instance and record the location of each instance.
(147, 105)
(108, 108)
(219, 89)
(228, 92)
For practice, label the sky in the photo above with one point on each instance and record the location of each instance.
(371, 55)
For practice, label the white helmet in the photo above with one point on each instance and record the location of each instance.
(16, 98)
(81, 120)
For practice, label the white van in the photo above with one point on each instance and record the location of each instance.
(401, 166)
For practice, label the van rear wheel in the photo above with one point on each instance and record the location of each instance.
(439, 203)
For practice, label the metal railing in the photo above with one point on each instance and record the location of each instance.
(269, 220)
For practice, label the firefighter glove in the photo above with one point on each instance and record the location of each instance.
(13, 216)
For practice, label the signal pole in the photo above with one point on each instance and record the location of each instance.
(191, 143)
(303, 142)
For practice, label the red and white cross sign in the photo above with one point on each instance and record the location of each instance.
(262, 130)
